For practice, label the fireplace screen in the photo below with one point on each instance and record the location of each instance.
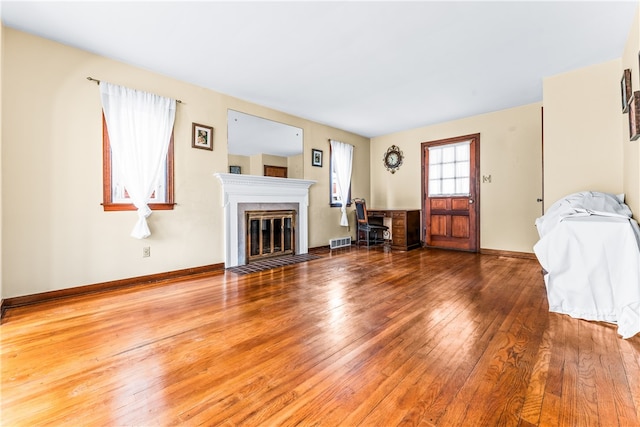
(270, 233)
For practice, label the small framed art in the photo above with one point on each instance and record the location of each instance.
(316, 157)
(202, 137)
(625, 89)
(634, 116)
(235, 169)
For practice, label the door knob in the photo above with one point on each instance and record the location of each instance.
(470, 200)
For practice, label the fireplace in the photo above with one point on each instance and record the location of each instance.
(269, 234)
(242, 193)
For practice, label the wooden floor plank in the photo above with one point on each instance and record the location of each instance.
(361, 336)
(630, 354)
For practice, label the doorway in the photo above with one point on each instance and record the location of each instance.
(451, 193)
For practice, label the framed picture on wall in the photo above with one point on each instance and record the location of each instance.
(316, 157)
(625, 89)
(235, 169)
(202, 137)
(634, 116)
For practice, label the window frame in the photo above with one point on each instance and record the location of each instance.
(331, 181)
(107, 201)
(454, 163)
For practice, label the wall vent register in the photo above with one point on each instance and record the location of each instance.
(340, 242)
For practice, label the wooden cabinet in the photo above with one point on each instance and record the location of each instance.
(404, 226)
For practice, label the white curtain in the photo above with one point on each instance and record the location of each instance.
(343, 157)
(139, 125)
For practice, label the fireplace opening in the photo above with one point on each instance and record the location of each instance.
(270, 234)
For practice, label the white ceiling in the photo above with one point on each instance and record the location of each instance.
(371, 68)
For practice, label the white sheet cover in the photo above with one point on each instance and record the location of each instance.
(591, 256)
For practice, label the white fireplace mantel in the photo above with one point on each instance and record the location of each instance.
(238, 188)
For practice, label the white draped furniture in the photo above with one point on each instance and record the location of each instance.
(589, 249)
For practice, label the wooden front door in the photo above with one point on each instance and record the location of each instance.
(450, 188)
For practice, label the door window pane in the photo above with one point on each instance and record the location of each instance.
(435, 171)
(448, 154)
(448, 186)
(462, 169)
(449, 170)
(435, 157)
(462, 152)
(462, 186)
(435, 186)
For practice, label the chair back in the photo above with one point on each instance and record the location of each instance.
(361, 211)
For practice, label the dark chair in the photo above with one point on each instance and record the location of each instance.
(371, 234)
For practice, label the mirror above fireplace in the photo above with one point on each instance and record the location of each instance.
(256, 143)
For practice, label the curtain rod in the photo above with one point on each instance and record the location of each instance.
(342, 142)
(91, 79)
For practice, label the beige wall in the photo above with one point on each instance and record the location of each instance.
(510, 151)
(243, 161)
(295, 167)
(55, 232)
(630, 150)
(582, 131)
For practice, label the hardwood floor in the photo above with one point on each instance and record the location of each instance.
(358, 337)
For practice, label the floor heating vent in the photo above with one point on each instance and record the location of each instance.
(339, 242)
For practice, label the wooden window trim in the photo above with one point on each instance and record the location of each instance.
(107, 202)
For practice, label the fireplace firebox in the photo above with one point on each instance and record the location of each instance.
(270, 234)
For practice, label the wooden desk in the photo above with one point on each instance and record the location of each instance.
(404, 226)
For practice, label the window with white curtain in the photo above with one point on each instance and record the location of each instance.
(115, 194)
(335, 199)
(341, 167)
(139, 129)
(449, 169)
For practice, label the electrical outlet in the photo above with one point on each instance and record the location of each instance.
(146, 252)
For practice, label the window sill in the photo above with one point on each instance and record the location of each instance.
(111, 207)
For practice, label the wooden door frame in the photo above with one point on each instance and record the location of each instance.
(474, 181)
